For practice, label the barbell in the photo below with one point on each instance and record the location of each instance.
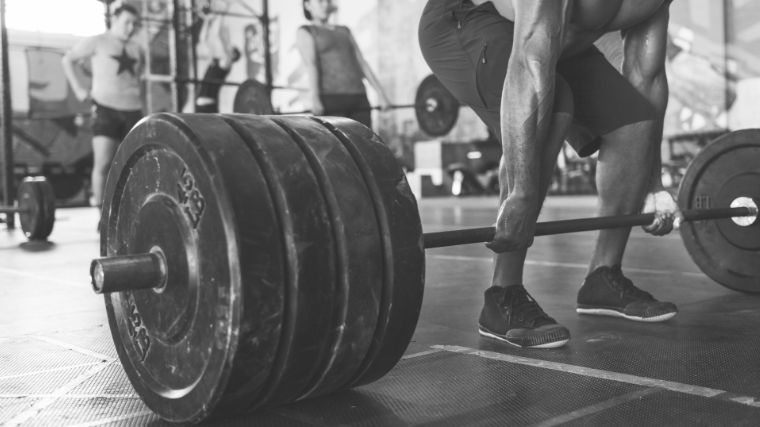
(35, 206)
(250, 261)
(165, 78)
(435, 108)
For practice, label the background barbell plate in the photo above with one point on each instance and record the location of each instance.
(187, 184)
(726, 169)
(252, 97)
(36, 199)
(442, 119)
(359, 254)
(402, 232)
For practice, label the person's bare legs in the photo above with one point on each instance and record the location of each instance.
(103, 149)
(623, 177)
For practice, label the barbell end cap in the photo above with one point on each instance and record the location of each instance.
(97, 276)
(431, 105)
(752, 205)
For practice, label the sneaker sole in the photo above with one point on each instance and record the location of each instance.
(553, 344)
(614, 313)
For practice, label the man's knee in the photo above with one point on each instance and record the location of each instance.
(637, 135)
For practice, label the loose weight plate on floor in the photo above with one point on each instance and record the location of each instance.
(188, 187)
(36, 201)
(726, 169)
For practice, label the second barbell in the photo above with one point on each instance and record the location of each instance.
(435, 107)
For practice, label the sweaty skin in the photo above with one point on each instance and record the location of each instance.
(545, 32)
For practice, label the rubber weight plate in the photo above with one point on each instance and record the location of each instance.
(188, 187)
(726, 169)
(397, 213)
(252, 97)
(311, 262)
(36, 200)
(359, 250)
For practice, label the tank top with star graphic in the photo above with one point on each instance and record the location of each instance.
(116, 66)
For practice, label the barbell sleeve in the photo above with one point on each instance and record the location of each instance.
(370, 108)
(485, 234)
(11, 210)
(128, 272)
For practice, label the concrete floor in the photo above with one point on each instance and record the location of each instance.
(59, 367)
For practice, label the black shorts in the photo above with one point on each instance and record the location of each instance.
(468, 49)
(354, 107)
(113, 123)
(211, 108)
(210, 86)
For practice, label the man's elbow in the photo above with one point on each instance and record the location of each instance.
(67, 61)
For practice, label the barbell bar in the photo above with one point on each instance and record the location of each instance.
(149, 270)
(12, 210)
(485, 234)
(430, 105)
(166, 78)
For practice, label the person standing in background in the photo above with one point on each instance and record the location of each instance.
(215, 37)
(117, 62)
(335, 66)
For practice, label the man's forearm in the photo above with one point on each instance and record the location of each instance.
(526, 107)
(373, 80)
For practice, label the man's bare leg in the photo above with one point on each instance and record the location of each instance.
(624, 177)
(103, 149)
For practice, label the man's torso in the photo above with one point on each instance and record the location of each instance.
(340, 72)
(116, 65)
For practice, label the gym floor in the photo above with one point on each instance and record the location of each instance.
(59, 368)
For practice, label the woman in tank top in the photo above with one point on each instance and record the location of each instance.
(335, 66)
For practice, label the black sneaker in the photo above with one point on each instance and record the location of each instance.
(511, 315)
(607, 292)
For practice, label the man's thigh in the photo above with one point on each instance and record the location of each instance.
(604, 100)
(468, 48)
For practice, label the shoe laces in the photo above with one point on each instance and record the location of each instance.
(524, 308)
(625, 286)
